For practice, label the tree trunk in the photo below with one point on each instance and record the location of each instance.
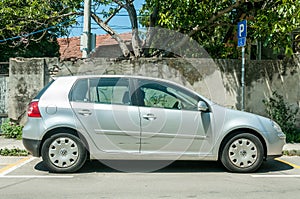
(114, 35)
(151, 31)
(135, 40)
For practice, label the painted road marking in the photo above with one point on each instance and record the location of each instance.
(35, 176)
(288, 163)
(282, 175)
(11, 167)
(275, 176)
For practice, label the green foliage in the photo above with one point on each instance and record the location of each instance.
(42, 48)
(23, 17)
(11, 129)
(13, 152)
(215, 22)
(274, 24)
(211, 23)
(284, 114)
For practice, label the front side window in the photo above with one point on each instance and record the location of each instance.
(158, 98)
(163, 95)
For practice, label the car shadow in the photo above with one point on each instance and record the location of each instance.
(273, 166)
(119, 166)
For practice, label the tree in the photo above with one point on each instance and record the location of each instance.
(30, 27)
(37, 24)
(213, 23)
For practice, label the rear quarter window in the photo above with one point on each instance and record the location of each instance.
(39, 95)
(79, 91)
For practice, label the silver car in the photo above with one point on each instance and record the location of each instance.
(138, 118)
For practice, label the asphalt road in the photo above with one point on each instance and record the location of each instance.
(28, 178)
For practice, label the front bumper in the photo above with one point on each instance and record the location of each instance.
(272, 157)
(33, 146)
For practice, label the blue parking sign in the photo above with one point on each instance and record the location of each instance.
(242, 42)
(242, 29)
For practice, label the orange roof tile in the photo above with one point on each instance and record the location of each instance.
(70, 47)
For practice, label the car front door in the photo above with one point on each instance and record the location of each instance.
(103, 107)
(170, 121)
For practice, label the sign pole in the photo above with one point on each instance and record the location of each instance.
(242, 34)
(243, 80)
(86, 34)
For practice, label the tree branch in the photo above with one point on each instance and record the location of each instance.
(113, 14)
(209, 22)
(104, 26)
(216, 16)
(65, 15)
(119, 3)
(114, 35)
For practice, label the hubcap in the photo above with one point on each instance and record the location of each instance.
(243, 153)
(63, 152)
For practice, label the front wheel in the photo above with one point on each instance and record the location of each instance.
(63, 153)
(242, 153)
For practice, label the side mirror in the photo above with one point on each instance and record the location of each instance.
(202, 106)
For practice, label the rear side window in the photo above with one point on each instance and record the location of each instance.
(102, 90)
(110, 91)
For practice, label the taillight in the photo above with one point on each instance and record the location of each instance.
(33, 109)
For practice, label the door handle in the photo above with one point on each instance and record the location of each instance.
(149, 116)
(85, 112)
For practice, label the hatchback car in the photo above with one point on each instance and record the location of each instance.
(139, 118)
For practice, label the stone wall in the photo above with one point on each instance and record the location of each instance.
(218, 80)
(26, 78)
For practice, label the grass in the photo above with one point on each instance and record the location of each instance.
(13, 152)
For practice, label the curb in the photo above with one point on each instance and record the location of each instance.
(292, 152)
(291, 149)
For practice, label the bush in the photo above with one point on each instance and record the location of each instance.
(284, 114)
(11, 129)
(13, 152)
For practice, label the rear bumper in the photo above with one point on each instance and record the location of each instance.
(33, 146)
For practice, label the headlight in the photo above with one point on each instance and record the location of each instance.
(276, 126)
(278, 129)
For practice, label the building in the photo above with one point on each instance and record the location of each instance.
(106, 46)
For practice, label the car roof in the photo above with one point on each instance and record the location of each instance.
(136, 77)
(118, 76)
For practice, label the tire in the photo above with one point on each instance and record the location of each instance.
(64, 153)
(242, 153)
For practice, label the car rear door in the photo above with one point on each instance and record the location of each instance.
(103, 107)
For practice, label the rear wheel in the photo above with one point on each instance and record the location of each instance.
(242, 153)
(63, 153)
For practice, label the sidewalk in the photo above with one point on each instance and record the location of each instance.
(288, 149)
(291, 149)
(10, 143)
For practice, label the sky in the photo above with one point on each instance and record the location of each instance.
(120, 23)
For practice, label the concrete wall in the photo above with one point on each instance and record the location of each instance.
(3, 94)
(218, 80)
